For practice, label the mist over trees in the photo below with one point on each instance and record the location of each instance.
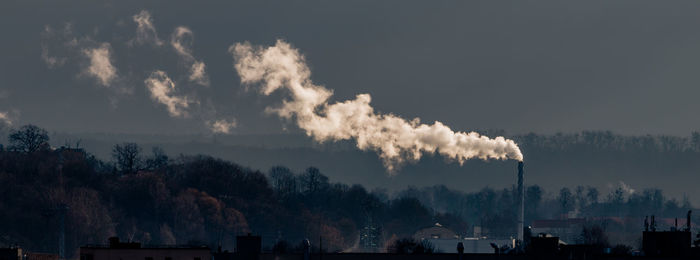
(154, 198)
(590, 158)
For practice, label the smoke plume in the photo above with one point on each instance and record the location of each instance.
(95, 59)
(145, 31)
(100, 64)
(162, 90)
(395, 139)
(181, 41)
(222, 126)
(5, 118)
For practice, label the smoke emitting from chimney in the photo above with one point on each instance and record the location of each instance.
(395, 139)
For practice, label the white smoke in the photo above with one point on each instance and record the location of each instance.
(198, 73)
(222, 126)
(49, 34)
(177, 40)
(395, 139)
(145, 31)
(162, 90)
(5, 118)
(51, 61)
(61, 47)
(181, 40)
(626, 188)
(100, 64)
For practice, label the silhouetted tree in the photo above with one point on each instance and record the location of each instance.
(283, 181)
(565, 199)
(406, 215)
(616, 198)
(695, 140)
(592, 195)
(212, 200)
(157, 160)
(28, 138)
(580, 197)
(313, 181)
(533, 198)
(127, 157)
(594, 235)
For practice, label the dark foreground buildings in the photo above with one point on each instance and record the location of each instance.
(117, 250)
(675, 243)
(16, 253)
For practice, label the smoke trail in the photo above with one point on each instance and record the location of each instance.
(162, 90)
(100, 64)
(181, 40)
(395, 139)
(5, 118)
(145, 31)
(222, 126)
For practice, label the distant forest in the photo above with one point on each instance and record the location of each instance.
(143, 194)
(600, 159)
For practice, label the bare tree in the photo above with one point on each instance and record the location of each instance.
(592, 195)
(283, 181)
(594, 235)
(313, 181)
(28, 138)
(158, 160)
(695, 141)
(127, 156)
(565, 200)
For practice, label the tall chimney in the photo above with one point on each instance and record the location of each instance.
(521, 206)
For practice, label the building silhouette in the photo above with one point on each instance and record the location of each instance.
(117, 250)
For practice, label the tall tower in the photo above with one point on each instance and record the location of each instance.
(521, 202)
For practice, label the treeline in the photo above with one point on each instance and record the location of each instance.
(154, 198)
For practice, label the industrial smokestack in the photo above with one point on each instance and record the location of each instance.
(521, 206)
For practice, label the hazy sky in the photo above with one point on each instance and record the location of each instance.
(543, 66)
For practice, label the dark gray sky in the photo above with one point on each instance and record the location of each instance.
(543, 66)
